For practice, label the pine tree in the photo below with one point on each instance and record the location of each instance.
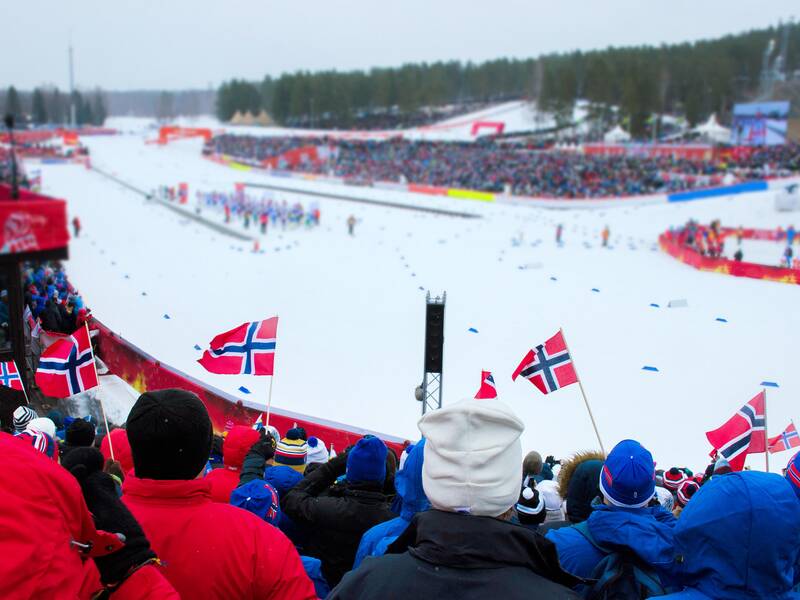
(13, 106)
(98, 107)
(39, 109)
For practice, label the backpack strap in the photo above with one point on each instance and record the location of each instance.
(583, 529)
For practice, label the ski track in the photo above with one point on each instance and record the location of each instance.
(352, 311)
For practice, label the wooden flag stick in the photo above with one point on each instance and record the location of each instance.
(97, 395)
(271, 379)
(766, 435)
(19, 374)
(583, 393)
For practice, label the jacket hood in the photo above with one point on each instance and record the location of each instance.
(569, 466)
(649, 532)
(408, 483)
(282, 478)
(739, 537)
(472, 542)
(578, 484)
(236, 445)
(167, 491)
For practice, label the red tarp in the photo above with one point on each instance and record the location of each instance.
(31, 224)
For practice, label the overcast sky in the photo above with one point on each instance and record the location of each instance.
(176, 44)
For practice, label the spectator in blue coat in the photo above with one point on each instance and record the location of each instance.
(624, 521)
(409, 488)
(738, 539)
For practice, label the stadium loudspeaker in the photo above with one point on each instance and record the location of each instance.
(434, 337)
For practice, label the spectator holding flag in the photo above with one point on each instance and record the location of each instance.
(234, 448)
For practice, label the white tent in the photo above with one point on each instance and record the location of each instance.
(712, 131)
(616, 135)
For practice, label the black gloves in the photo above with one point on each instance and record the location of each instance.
(110, 514)
(265, 447)
(338, 464)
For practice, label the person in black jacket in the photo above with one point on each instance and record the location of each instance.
(336, 520)
(51, 316)
(465, 547)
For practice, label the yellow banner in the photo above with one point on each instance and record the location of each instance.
(471, 195)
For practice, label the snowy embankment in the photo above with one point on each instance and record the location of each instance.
(352, 308)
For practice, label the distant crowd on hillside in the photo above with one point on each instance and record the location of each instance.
(493, 166)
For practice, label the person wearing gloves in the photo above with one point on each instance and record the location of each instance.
(49, 533)
(236, 445)
(465, 547)
(624, 520)
(336, 521)
(210, 550)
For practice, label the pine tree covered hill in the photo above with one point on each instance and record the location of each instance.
(49, 106)
(690, 79)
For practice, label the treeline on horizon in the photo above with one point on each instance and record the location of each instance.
(690, 79)
(49, 106)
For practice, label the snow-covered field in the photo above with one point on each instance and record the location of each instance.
(352, 309)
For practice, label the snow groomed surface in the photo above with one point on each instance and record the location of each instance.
(352, 308)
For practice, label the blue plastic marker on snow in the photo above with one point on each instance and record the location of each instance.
(196, 347)
(648, 368)
(722, 320)
(472, 330)
(554, 279)
(166, 316)
(595, 290)
(654, 305)
(769, 384)
(244, 389)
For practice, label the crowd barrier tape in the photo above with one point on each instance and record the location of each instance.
(426, 189)
(470, 195)
(726, 190)
(143, 372)
(694, 259)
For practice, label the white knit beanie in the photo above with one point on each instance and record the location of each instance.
(43, 425)
(317, 452)
(473, 457)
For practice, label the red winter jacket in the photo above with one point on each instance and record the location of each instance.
(225, 479)
(122, 449)
(41, 512)
(212, 550)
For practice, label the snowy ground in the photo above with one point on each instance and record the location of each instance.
(352, 311)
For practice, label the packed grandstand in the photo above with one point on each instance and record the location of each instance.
(496, 166)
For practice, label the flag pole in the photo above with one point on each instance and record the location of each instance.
(97, 395)
(766, 435)
(271, 379)
(19, 374)
(583, 393)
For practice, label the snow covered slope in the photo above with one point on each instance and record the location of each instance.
(352, 311)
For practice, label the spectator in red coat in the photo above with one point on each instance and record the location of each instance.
(122, 449)
(210, 550)
(223, 481)
(46, 523)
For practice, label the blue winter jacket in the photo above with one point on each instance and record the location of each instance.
(648, 532)
(408, 484)
(739, 538)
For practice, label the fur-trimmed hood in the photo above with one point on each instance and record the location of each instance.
(578, 483)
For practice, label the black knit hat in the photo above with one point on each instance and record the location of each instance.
(530, 507)
(79, 433)
(170, 435)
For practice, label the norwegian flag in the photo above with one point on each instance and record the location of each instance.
(33, 324)
(9, 376)
(548, 366)
(246, 350)
(67, 366)
(788, 439)
(259, 423)
(742, 434)
(487, 389)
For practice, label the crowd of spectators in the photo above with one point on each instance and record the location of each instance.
(164, 508)
(491, 166)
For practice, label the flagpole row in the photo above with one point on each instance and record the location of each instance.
(766, 431)
(583, 393)
(269, 400)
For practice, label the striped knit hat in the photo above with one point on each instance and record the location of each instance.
(23, 416)
(686, 491)
(317, 452)
(673, 479)
(530, 507)
(41, 442)
(292, 453)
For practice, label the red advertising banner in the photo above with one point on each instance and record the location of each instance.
(31, 224)
(144, 372)
(694, 259)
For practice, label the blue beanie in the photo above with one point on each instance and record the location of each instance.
(367, 461)
(282, 478)
(628, 478)
(793, 473)
(260, 498)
